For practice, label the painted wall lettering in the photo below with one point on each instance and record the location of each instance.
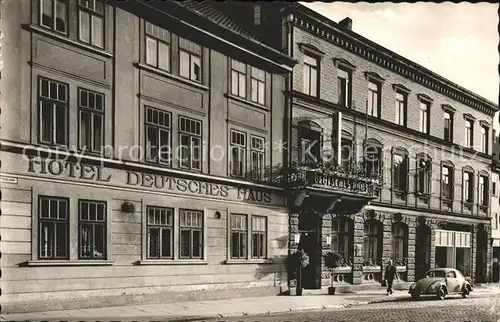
(70, 169)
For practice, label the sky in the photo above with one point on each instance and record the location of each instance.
(457, 41)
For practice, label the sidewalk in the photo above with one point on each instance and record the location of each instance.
(224, 308)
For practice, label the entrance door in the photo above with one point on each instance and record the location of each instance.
(310, 245)
(422, 251)
(481, 252)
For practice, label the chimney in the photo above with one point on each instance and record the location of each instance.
(346, 23)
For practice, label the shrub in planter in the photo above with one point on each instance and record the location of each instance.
(295, 262)
(332, 261)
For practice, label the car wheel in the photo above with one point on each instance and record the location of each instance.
(466, 293)
(415, 296)
(441, 293)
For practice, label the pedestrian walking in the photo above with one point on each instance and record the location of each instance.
(390, 274)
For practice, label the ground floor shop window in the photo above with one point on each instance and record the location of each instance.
(399, 243)
(342, 237)
(453, 250)
(372, 243)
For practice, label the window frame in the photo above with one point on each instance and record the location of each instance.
(54, 103)
(469, 133)
(234, 70)
(484, 139)
(158, 128)
(371, 93)
(92, 13)
(242, 255)
(241, 148)
(470, 190)
(190, 53)
(369, 236)
(451, 177)
(157, 39)
(401, 107)
(191, 229)
(160, 228)
(258, 82)
(257, 172)
(347, 88)
(191, 136)
(66, 221)
(103, 223)
(450, 122)
(347, 235)
(424, 169)
(259, 233)
(92, 112)
(53, 12)
(404, 162)
(398, 238)
(424, 117)
(483, 190)
(308, 67)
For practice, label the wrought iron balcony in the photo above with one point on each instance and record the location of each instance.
(332, 178)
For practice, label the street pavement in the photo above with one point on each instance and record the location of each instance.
(246, 307)
(453, 309)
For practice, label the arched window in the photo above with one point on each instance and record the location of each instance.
(424, 174)
(399, 243)
(373, 157)
(347, 150)
(372, 242)
(343, 237)
(310, 142)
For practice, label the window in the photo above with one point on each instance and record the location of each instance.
(190, 60)
(190, 138)
(257, 15)
(158, 135)
(92, 229)
(239, 236)
(468, 133)
(238, 153)
(400, 172)
(346, 153)
(495, 221)
(238, 78)
(399, 242)
(159, 232)
(258, 85)
(424, 117)
(484, 139)
(401, 100)
(257, 158)
(468, 186)
(424, 168)
(372, 240)
(344, 87)
(54, 15)
(310, 75)
(310, 146)
(191, 233)
(494, 188)
(53, 100)
(259, 237)
(483, 191)
(157, 47)
(91, 22)
(53, 223)
(373, 99)
(448, 126)
(91, 116)
(373, 159)
(343, 237)
(447, 182)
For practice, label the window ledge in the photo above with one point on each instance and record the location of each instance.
(36, 263)
(65, 39)
(171, 262)
(246, 101)
(160, 72)
(249, 261)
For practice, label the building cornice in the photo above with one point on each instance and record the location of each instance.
(321, 27)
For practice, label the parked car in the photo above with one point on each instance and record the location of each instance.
(441, 282)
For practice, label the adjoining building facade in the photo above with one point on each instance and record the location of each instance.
(495, 203)
(423, 139)
(134, 159)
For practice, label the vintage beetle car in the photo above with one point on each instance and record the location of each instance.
(441, 282)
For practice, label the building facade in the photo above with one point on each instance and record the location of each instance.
(422, 139)
(495, 204)
(135, 155)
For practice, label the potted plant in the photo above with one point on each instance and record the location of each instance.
(332, 261)
(295, 263)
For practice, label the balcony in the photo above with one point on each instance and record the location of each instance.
(328, 181)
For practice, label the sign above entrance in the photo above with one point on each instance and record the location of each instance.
(115, 177)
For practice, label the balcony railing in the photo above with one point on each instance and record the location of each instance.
(332, 177)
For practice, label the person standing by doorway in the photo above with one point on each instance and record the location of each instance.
(390, 274)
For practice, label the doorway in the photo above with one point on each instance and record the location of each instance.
(481, 256)
(422, 251)
(310, 242)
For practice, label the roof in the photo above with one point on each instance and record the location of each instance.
(212, 10)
